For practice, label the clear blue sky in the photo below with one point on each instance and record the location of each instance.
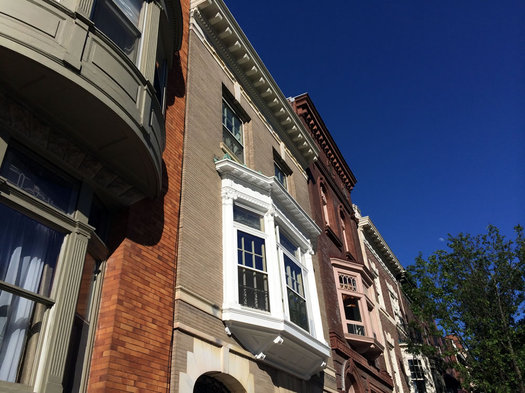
(425, 99)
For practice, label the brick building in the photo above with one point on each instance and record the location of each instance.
(410, 373)
(90, 168)
(355, 333)
(247, 316)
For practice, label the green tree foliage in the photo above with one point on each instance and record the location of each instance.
(475, 290)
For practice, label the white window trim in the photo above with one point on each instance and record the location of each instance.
(263, 194)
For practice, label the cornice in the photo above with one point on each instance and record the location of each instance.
(380, 246)
(295, 214)
(233, 47)
(306, 109)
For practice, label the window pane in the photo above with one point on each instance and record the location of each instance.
(19, 321)
(294, 276)
(351, 307)
(232, 131)
(233, 144)
(297, 309)
(117, 25)
(279, 175)
(80, 329)
(247, 217)
(130, 8)
(352, 328)
(39, 181)
(28, 252)
(287, 244)
(253, 289)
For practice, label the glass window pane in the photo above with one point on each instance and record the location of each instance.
(130, 8)
(19, 322)
(253, 289)
(249, 249)
(28, 252)
(351, 308)
(287, 243)
(37, 180)
(297, 309)
(279, 175)
(121, 30)
(80, 329)
(247, 217)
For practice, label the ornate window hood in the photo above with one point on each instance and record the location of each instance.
(220, 28)
(229, 169)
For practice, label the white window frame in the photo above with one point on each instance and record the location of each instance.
(237, 226)
(261, 203)
(297, 260)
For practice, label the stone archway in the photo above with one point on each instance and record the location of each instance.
(217, 383)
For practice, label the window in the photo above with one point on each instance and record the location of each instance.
(294, 282)
(232, 132)
(281, 170)
(251, 259)
(352, 314)
(119, 20)
(347, 282)
(42, 257)
(279, 174)
(417, 375)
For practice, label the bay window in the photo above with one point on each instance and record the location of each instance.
(270, 302)
(50, 264)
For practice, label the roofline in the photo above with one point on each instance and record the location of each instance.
(236, 51)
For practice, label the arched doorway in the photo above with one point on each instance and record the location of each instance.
(208, 384)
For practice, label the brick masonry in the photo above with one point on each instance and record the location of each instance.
(133, 340)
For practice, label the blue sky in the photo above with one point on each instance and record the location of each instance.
(425, 100)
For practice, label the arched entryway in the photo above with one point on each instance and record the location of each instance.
(217, 383)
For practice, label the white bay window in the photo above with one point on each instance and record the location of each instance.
(270, 301)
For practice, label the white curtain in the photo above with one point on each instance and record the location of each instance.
(25, 247)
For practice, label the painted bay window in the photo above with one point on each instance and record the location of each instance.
(50, 265)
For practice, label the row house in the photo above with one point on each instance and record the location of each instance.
(90, 150)
(410, 373)
(352, 316)
(247, 314)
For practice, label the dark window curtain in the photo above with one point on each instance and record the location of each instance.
(28, 255)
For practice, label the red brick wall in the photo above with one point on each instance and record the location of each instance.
(133, 339)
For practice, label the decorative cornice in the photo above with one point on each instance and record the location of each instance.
(305, 108)
(234, 49)
(380, 246)
(295, 214)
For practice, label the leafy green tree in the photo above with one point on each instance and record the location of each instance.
(475, 290)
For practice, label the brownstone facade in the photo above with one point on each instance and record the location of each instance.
(355, 348)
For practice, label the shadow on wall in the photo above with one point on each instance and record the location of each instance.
(143, 222)
(293, 384)
(176, 84)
